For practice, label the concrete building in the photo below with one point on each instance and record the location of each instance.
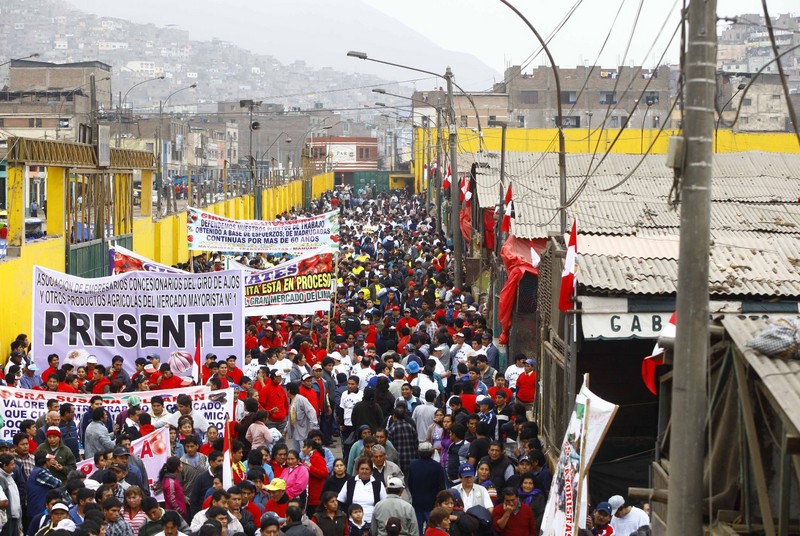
(47, 114)
(343, 155)
(762, 108)
(590, 96)
(27, 75)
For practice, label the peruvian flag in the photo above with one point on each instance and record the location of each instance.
(197, 367)
(447, 178)
(568, 275)
(466, 195)
(227, 465)
(650, 362)
(508, 213)
(425, 170)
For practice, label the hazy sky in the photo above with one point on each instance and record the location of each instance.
(321, 31)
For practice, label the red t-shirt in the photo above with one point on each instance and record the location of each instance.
(173, 382)
(526, 387)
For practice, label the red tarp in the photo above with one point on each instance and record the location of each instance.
(465, 221)
(488, 228)
(520, 256)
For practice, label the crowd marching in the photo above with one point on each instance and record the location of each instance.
(403, 379)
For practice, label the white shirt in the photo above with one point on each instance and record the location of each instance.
(478, 495)
(425, 384)
(512, 373)
(364, 374)
(631, 522)
(348, 402)
(285, 366)
(364, 496)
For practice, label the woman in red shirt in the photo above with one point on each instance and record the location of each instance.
(317, 473)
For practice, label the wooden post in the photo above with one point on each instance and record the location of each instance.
(335, 301)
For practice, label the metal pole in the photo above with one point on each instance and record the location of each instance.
(439, 171)
(687, 442)
(160, 149)
(589, 133)
(499, 275)
(458, 244)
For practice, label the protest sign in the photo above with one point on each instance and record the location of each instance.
(209, 232)
(135, 313)
(301, 286)
(17, 405)
(567, 503)
(153, 449)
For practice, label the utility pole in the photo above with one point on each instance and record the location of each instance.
(687, 443)
(439, 170)
(455, 190)
(499, 273)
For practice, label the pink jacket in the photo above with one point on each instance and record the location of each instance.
(174, 499)
(296, 480)
(258, 434)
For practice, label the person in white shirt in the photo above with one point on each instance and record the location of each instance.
(363, 490)
(283, 364)
(349, 399)
(513, 371)
(471, 493)
(364, 373)
(460, 350)
(626, 518)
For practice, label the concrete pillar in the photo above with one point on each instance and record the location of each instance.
(147, 196)
(16, 207)
(56, 196)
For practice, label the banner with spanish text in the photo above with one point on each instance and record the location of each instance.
(209, 232)
(136, 313)
(17, 405)
(153, 449)
(566, 508)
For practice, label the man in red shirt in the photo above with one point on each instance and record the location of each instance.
(273, 398)
(234, 373)
(271, 339)
(526, 385)
(514, 518)
(407, 320)
(52, 361)
(168, 380)
(100, 383)
(308, 391)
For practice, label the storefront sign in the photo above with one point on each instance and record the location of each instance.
(623, 325)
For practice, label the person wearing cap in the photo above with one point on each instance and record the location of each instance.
(514, 371)
(394, 507)
(601, 520)
(426, 478)
(310, 390)
(472, 494)
(63, 458)
(272, 397)
(513, 518)
(626, 518)
(59, 520)
(526, 385)
(460, 350)
(30, 379)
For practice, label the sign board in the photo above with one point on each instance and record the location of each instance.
(342, 154)
(623, 325)
(135, 313)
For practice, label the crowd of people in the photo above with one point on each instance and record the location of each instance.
(389, 415)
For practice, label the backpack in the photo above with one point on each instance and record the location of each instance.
(351, 488)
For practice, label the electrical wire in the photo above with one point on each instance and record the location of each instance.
(784, 82)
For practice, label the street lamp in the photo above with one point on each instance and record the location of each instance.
(161, 159)
(458, 245)
(588, 131)
(34, 55)
(649, 101)
(123, 100)
(739, 88)
(264, 154)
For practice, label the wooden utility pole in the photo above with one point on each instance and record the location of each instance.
(687, 443)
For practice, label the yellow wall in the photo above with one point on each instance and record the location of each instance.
(630, 141)
(15, 292)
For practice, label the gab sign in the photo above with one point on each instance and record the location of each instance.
(623, 325)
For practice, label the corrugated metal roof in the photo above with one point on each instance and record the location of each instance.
(742, 179)
(781, 377)
(760, 265)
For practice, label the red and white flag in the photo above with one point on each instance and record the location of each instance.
(508, 212)
(650, 362)
(425, 170)
(568, 275)
(197, 367)
(447, 178)
(227, 461)
(466, 195)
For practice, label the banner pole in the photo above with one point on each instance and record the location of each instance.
(579, 498)
(332, 313)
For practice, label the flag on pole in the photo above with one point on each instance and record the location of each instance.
(446, 181)
(652, 361)
(466, 195)
(227, 461)
(568, 275)
(508, 213)
(197, 367)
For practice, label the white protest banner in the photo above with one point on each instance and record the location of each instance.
(209, 232)
(566, 506)
(301, 286)
(17, 405)
(153, 449)
(135, 313)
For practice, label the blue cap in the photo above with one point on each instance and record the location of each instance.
(604, 507)
(412, 367)
(466, 469)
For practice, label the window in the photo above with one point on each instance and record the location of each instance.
(656, 121)
(572, 121)
(2, 122)
(521, 121)
(149, 147)
(614, 121)
(569, 97)
(624, 121)
(464, 121)
(492, 120)
(608, 97)
(63, 122)
(747, 102)
(363, 153)
(776, 97)
(528, 97)
(651, 98)
(35, 122)
(744, 120)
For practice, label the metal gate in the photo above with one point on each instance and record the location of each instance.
(90, 259)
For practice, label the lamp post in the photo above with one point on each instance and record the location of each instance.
(271, 145)
(34, 55)
(649, 101)
(123, 100)
(253, 126)
(458, 246)
(588, 131)
(161, 159)
(719, 117)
